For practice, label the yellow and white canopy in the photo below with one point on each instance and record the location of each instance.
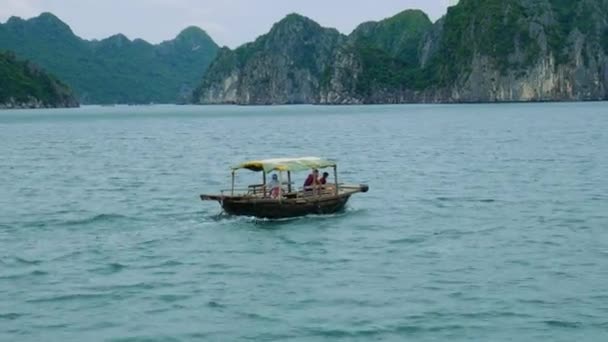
(286, 164)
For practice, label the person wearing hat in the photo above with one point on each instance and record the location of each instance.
(274, 186)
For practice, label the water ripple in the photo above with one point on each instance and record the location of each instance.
(483, 222)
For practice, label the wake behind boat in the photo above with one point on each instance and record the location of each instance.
(279, 198)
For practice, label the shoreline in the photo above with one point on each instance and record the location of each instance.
(4, 107)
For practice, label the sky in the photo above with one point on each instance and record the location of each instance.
(228, 22)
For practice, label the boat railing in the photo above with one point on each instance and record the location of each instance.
(322, 190)
(235, 192)
(261, 191)
(254, 190)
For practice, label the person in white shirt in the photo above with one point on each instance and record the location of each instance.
(274, 186)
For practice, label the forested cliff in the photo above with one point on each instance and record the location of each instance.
(25, 85)
(480, 51)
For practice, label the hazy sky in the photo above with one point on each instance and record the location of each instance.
(229, 22)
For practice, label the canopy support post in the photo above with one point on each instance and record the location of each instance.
(336, 178)
(232, 191)
(289, 181)
(280, 186)
(264, 182)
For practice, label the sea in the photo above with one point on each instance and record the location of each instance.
(484, 222)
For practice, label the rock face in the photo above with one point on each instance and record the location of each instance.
(284, 66)
(480, 51)
(522, 50)
(24, 85)
(115, 69)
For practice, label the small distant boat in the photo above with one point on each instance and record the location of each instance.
(256, 200)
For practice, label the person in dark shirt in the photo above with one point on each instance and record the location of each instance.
(312, 180)
(323, 180)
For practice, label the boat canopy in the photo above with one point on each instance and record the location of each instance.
(286, 164)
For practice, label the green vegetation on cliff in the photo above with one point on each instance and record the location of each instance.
(492, 28)
(116, 69)
(22, 83)
(571, 15)
(481, 50)
(284, 65)
(505, 32)
(389, 51)
(296, 37)
(398, 36)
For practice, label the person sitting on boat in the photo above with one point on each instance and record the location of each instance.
(323, 183)
(312, 180)
(323, 180)
(274, 186)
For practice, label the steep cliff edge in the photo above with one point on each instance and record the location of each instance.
(284, 66)
(480, 51)
(24, 85)
(522, 50)
(379, 61)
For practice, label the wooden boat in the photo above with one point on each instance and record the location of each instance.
(256, 200)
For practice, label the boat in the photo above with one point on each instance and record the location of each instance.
(259, 201)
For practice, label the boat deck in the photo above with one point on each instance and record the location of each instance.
(253, 194)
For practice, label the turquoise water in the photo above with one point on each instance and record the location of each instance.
(483, 223)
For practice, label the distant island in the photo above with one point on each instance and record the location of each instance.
(480, 51)
(113, 70)
(25, 85)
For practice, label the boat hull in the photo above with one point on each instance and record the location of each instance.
(290, 205)
(273, 209)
